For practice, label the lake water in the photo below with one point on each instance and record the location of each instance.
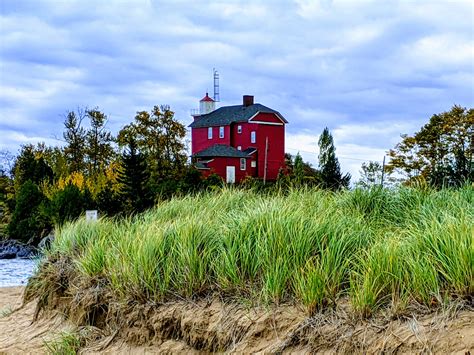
(15, 272)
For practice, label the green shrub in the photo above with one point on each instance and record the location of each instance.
(28, 219)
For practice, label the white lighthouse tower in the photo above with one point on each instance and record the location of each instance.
(206, 105)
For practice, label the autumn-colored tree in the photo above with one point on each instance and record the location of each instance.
(160, 137)
(441, 153)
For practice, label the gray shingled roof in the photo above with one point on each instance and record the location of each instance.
(226, 115)
(221, 150)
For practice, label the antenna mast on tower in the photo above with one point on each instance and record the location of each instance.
(216, 85)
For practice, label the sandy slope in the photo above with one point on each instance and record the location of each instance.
(182, 327)
(17, 334)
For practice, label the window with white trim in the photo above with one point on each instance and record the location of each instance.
(253, 164)
(221, 132)
(239, 147)
(253, 137)
(209, 133)
(239, 129)
(243, 164)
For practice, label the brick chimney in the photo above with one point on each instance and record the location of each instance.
(247, 100)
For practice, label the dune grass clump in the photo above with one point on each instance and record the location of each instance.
(380, 248)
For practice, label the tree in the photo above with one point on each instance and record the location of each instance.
(134, 179)
(370, 174)
(331, 176)
(99, 150)
(69, 204)
(30, 165)
(161, 137)
(298, 170)
(28, 220)
(441, 153)
(75, 138)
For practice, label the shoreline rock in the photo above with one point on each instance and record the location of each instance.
(11, 249)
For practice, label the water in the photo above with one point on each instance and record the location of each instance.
(15, 272)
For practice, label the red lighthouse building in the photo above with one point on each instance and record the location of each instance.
(238, 141)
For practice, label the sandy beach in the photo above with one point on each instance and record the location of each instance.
(17, 333)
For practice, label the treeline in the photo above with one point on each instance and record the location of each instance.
(95, 169)
(147, 162)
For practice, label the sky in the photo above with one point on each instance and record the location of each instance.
(369, 70)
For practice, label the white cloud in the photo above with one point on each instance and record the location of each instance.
(368, 70)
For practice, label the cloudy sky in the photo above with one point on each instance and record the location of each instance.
(369, 70)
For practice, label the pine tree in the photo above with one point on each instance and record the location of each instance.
(75, 138)
(134, 177)
(298, 170)
(331, 175)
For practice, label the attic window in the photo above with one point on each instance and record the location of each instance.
(239, 129)
(209, 133)
(243, 164)
(253, 137)
(221, 132)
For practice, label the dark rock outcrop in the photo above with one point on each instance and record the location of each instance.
(10, 249)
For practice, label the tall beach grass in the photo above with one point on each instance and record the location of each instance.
(377, 248)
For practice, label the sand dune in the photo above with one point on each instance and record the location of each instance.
(264, 331)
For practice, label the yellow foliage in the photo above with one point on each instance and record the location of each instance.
(76, 178)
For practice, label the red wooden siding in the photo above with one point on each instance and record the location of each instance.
(199, 140)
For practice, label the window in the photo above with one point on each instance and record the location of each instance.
(209, 133)
(253, 137)
(239, 129)
(239, 147)
(253, 164)
(243, 164)
(221, 132)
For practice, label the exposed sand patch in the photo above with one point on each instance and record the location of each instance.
(206, 326)
(18, 335)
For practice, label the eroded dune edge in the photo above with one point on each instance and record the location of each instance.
(214, 325)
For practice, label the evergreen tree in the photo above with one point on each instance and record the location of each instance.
(31, 165)
(331, 175)
(27, 220)
(69, 204)
(99, 151)
(75, 137)
(298, 170)
(134, 178)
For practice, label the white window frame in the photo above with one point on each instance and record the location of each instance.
(239, 129)
(239, 147)
(243, 164)
(253, 164)
(253, 137)
(221, 132)
(209, 133)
